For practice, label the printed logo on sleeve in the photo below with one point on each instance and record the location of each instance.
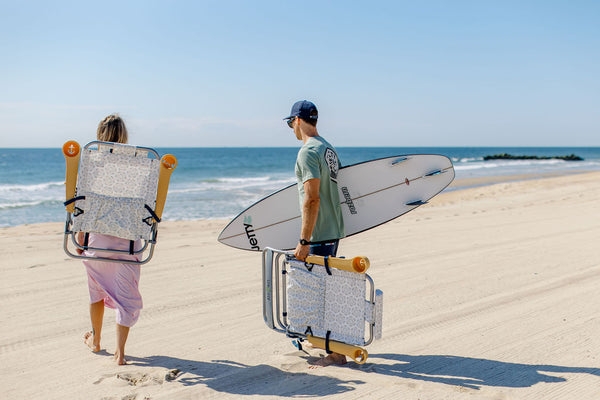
(332, 162)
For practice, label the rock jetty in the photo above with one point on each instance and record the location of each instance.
(506, 156)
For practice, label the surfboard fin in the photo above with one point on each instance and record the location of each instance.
(399, 160)
(439, 171)
(416, 203)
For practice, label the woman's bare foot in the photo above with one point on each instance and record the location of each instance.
(331, 359)
(120, 358)
(92, 342)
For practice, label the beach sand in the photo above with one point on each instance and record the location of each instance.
(489, 293)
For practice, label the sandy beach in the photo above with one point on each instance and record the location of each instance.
(489, 293)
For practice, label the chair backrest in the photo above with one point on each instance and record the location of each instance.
(116, 190)
(334, 303)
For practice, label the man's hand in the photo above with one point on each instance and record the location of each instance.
(301, 251)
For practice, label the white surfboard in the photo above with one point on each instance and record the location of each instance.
(371, 193)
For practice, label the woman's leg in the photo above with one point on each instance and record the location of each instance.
(92, 339)
(122, 333)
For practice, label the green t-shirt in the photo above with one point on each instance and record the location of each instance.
(318, 159)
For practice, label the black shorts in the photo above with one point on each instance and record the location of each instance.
(328, 248)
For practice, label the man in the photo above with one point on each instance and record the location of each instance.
(317, 168)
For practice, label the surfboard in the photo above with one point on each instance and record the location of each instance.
(371, 193)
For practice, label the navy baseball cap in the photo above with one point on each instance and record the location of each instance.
(305, 110)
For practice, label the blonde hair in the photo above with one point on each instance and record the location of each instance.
(112, 129)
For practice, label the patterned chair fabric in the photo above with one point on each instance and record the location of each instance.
(334, 303)
(116, 182)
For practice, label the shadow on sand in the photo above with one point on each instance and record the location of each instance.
(236, 378)
(471, 372)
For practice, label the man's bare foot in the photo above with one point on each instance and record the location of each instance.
(120, 358)
(331, 359)
(89, 338)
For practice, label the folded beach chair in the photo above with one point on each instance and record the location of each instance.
(330, 302)
(117, 190)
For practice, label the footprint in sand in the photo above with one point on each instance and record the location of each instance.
(103, 377)
(140, 378)
(172, 375)
(147, 379)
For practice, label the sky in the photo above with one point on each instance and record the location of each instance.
(225, 73)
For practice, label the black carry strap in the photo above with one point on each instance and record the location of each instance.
(152, 215)
(73, 200)
(327, 265)
(77, 211)
(327, 343)
(86, 240)
(297, 343)
(131, 246)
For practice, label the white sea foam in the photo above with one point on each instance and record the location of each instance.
(231, 184)
(23, 204)
(466, 160)
(30, 188)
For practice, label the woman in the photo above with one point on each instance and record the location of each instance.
(114, 285)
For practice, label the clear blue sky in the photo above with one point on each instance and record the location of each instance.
(225, 73)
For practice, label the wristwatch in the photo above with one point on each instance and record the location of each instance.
(304, 242)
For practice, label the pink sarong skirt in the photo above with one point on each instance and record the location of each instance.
(114, 283)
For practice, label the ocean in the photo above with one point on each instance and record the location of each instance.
(214, 183)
